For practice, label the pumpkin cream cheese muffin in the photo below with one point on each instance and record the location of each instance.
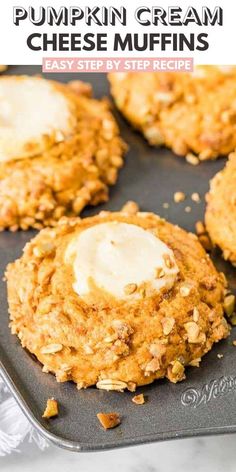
(116, 300)
(220, 215)
(187, 112)
(59, 151)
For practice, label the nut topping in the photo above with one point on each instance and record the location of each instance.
(51, 348)
(110, 384)
(51, 408)
(130, 288)
(108, 420)
(139, 399)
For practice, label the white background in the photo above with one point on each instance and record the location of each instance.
(14, 49)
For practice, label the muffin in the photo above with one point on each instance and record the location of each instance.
(220, 214)
(60, 149)
(116, 300)
(187, 112)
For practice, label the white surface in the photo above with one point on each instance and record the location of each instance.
(216, 454)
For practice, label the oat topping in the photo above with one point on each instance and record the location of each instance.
(110, 384)
(109, 420)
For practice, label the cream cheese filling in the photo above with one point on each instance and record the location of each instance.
(31, 109)
(120, 259)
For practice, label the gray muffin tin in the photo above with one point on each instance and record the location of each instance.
(204, 404)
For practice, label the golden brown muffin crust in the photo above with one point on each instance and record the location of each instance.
(221, 209)
(113, 343)
(186, 112)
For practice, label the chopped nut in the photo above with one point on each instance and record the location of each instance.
(184, 290)
(179, 197)
(131, 386)
(51, 408)
(130, 288)
(192, 159)
(220, 356)
(188, 209)
(153, 365)
(43, 250)
(229, 304)
(234, 342)
(139, 399)
(200, 228)
(110, 384)
(178, 368)
(167, 324)
(193, 332)
(195, 197)
(195, 314)
(159, 273)
(195, 362)
(166, 205)
(168, 261)
(109, 420)
(130, 207)
(51, 348)
(157, 350)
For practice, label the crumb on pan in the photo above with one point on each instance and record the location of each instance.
(188, 209)
(192, 159)
(195, 197)
(138, 399)
(130, 207)
(179, 197)
(51, 409)
(109, 420)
